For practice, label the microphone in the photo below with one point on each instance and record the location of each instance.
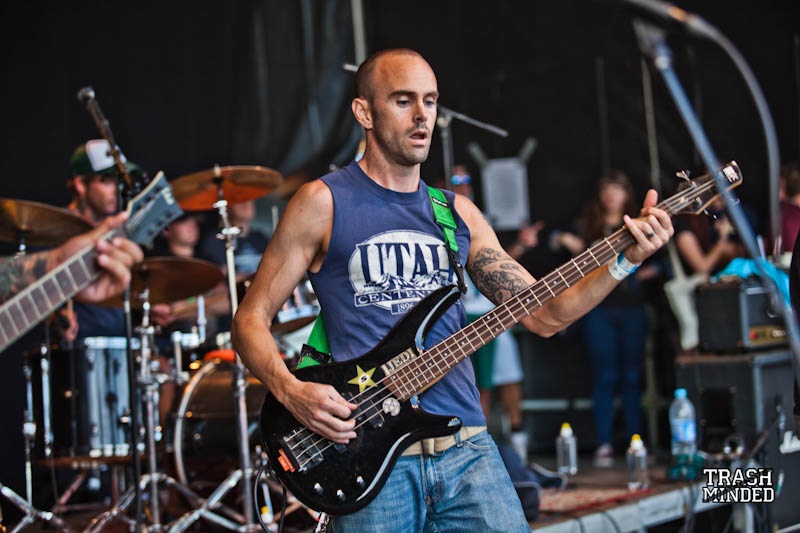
(86, 94)
(664, 10)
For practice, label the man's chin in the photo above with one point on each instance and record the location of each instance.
(416, 157)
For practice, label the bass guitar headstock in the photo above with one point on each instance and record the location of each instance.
(695, 195)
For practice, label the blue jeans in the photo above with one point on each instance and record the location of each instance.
(465, 488)
(615, 339)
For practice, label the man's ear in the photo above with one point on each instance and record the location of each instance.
(79, 184)
(362, 112)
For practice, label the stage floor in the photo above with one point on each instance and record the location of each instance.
(597, 499)
(594, 500)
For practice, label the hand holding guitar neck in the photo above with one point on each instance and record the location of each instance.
(116, 256)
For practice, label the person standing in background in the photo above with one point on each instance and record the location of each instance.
(615, 332)
(497, 364)
(706, 244)
(790, 205)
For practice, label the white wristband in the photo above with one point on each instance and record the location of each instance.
(620, 268)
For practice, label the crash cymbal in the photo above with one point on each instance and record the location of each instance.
(25, 222)
(170, 279)
(200, 190)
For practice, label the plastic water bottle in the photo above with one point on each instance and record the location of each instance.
(683, 425)
(566, 450)
(636, 458)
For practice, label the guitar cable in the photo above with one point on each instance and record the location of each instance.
(261, 471)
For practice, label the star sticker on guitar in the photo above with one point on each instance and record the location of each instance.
(363, 379)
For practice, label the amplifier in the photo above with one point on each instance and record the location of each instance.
(736, 316)
(744, 394)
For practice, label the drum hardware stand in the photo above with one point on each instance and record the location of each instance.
(244, 473)
(29, 434)
(150, 381)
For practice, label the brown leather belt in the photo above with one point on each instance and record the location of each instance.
(440, 444)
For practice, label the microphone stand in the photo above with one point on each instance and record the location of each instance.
(444, 119)
(124, 193)
(652, 43)
(86, 96)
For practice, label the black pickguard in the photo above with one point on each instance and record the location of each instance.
(342, 479)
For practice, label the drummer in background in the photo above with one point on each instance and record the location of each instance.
(179, 239)
(250, 246)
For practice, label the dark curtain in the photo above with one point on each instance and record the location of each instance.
(185, 85)
(295, 96)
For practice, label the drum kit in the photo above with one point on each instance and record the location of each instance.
(79, 408)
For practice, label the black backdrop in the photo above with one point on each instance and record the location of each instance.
(187, 84)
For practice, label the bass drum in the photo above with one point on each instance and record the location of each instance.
(205, 438)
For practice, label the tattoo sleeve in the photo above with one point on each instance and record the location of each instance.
(497, 275)
(16, 273)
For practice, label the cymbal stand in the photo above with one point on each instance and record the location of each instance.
(148, 380)
(244, 474)
(29, 433)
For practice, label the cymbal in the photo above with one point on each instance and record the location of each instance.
(170, 279)
(200, 190)
(37, 223)
(279, 328)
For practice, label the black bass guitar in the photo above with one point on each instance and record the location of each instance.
(149, 212)
(342, 478)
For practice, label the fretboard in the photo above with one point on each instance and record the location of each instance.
(431, 365)
(36, 301)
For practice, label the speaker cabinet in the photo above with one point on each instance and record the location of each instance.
(736, 316)
(743, 394)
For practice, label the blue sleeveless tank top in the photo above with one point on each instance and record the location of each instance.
(386, 254)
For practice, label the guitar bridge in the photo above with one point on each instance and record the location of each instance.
(301, 450)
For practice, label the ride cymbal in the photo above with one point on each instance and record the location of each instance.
(34, 223)
(170, 279)
(235, 184)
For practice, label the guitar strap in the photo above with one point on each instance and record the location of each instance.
(317, 350)
(443, 213)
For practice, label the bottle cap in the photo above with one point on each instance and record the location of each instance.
(680, 393)
(566, 430)
(636, 442)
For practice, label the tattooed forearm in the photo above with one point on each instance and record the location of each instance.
(16, 273)
(496, 275)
